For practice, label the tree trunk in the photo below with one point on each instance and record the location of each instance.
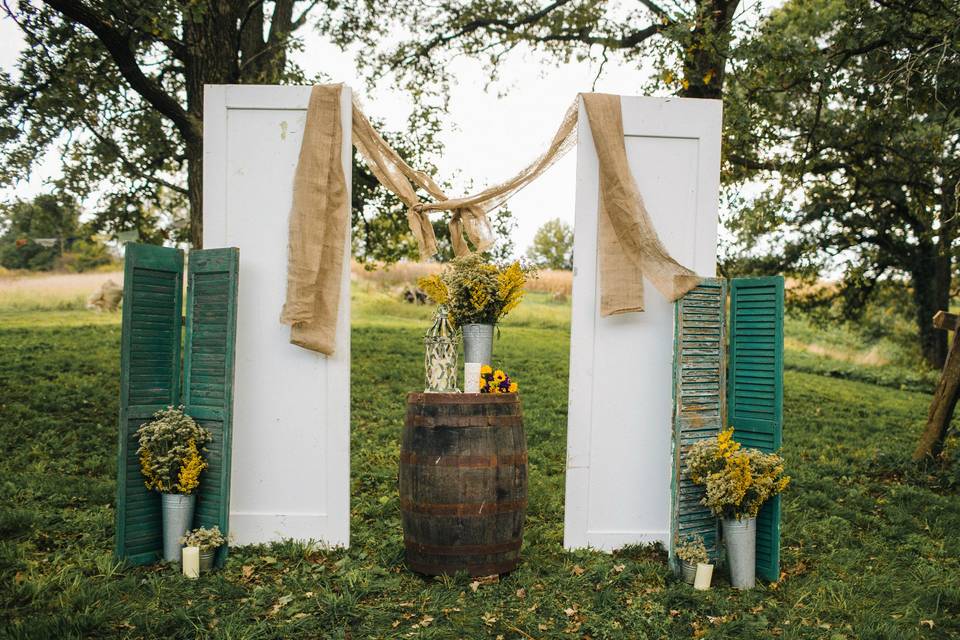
(944, 397)
(211, 42)
(706, 55)
(195, 192)
(931, 293)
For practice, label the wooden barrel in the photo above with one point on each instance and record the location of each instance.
(463, 482)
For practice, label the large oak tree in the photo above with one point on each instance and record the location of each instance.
(849, 112)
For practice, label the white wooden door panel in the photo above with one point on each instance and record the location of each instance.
(620, 400)
(291, 440)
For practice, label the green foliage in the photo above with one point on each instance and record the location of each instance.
(848, 111)
(869, 550)
(552, 246)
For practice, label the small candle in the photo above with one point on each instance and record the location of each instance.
(191, 562)
(704, 575)
(471, 377)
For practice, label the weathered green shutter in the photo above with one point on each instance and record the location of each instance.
(698, 398)
(149, 381)
(208, 374)
(755, 390)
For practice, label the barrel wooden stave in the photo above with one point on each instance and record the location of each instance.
(463, 483)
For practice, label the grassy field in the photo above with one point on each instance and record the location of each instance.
(870, 545)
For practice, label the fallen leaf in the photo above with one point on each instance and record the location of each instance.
(577, 570)
(425, 622)
(928, 623)
(489, 619)
(308, 594)
(674, 613)
(570, 611)
(395, 624)
(474, 586)
(542, 627)
(521, 593)
(246, 570)
(618, 568)
(269, 560)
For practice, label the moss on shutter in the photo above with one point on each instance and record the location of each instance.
(149, 381)
(698, 390)
(755, 390)
(208, 374)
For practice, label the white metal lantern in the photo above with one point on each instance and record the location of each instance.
(440, 355)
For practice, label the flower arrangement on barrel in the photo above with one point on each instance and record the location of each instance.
(473, 296)
(738, 482)
(171, 455)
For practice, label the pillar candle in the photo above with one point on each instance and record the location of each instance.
(191, 562)
(704, 575)
(471, 377)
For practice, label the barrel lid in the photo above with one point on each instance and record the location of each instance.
(462, 398)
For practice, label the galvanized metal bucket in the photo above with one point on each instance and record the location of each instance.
(177, 510)
(688, 570)
(740, 537)
(206, 559)
(478, 343)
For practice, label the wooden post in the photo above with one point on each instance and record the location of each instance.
(945, 396)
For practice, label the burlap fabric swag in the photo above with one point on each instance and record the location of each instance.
(629, 246)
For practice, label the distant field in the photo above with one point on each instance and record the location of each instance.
(63, 291)
(833, 350)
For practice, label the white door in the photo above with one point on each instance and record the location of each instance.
(619, 422)
(291, 433)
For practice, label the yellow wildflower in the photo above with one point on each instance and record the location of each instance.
(434, 287)
(190, 468)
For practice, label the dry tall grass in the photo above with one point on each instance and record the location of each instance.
(558, 283)
(52, 290)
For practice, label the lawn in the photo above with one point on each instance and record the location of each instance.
(870, 545)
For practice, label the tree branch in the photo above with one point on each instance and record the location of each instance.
(118, 45)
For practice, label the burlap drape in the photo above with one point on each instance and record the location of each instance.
(629, 248)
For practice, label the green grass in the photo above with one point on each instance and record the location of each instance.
(870, 545)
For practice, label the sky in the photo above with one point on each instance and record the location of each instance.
(488, 137)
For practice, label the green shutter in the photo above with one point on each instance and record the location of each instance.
(208, 374)
(149, 381)
(698, 385)
(755, 391)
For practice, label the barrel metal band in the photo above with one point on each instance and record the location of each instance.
(462, 508)
(463, 461)
(462, 549)
(465, 421)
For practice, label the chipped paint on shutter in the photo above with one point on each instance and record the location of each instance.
(149, 381)
(698, 389)
(208, 374)
(755, 391)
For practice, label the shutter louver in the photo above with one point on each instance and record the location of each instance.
(698, 388)
(149, 381)
(208, 374)
(755, 391)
